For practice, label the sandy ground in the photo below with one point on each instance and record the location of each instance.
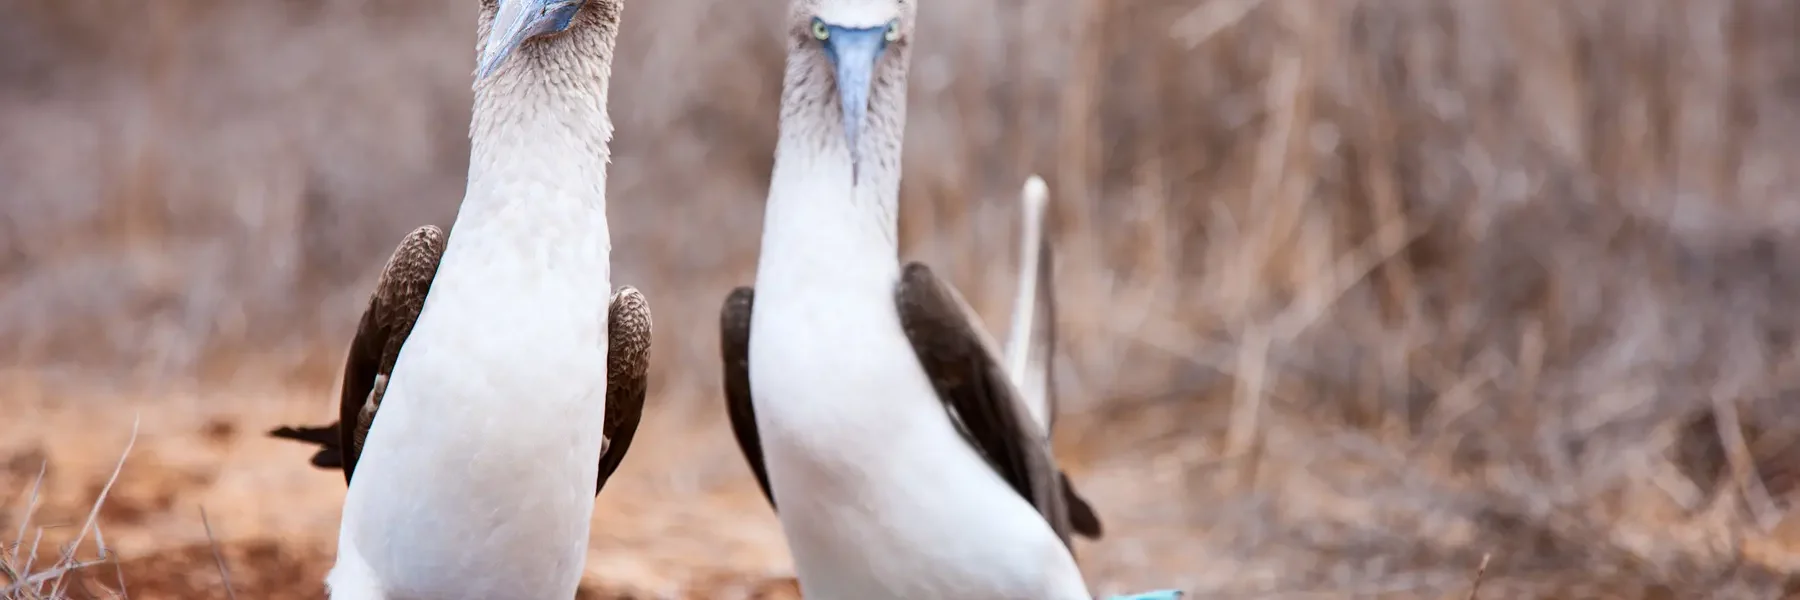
(682, 519)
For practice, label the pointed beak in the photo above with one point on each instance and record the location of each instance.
(520, 20)
(854, 52)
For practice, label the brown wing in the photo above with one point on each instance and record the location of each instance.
(734, 347)
(393, 308)
(627, 370)
(963, 367)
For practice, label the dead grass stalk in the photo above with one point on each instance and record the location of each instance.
(17, 562)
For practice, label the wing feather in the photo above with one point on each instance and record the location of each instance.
(976, 388)
(627, 373)
(393, 307)
(734, 342)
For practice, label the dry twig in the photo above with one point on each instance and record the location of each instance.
(213, 543)
(1475, 588)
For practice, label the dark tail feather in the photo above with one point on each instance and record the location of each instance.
(328, 458)
(320, 436)
(329, 455)
(1081, 515)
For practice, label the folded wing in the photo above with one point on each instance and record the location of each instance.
(734, 349)
(627, 372)
(393, 308)
(961, 362)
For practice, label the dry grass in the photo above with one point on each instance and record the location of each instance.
(1387, 285)
(28, 580)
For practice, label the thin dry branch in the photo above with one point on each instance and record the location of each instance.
(1208, 19)
(1743, 466)
(31, 501)
(12, 554)
(1475, 588)
(219, 559)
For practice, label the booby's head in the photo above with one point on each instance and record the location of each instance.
(516, 21)
(861, 42)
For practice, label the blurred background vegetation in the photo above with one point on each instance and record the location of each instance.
(1377, 286)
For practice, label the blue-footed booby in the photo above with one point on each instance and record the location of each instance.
(476, 477)
(874, 412)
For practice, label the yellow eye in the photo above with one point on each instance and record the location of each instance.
(819, 31)
(893, 31)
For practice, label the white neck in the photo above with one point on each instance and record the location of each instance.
(539, 150)
(539, 137)
(817, 213)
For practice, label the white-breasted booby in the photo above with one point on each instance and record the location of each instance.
(875, 414)
(477, 479)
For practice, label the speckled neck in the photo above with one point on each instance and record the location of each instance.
(547, 103)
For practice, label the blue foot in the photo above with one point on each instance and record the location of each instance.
(1156, 595)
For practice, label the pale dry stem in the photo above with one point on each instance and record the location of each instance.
(1481, 571)
(218, 559)
(24, 583)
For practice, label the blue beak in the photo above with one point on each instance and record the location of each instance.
(854, 52)
(1156, 595)
(520, 20)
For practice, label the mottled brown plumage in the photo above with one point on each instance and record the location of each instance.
(627, 381)
(393, 308)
